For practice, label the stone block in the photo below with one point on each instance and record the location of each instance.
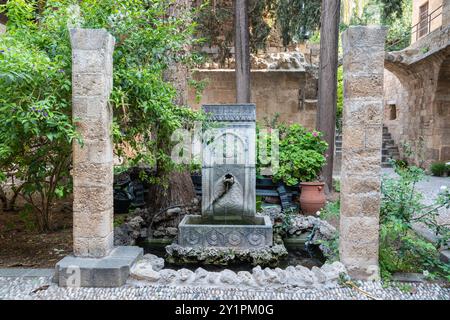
(362, 112)
(91, 108)
(89, 84)
(367, 86)
(93, 175)
(92, 247)
(92, 199)
(359, 231)
(91, 39)
(367, 38)
(93, 129)
(355, 184)
(89, 61)
(361, 61)
(362, 161)
(110, 271)
(361, 268)
(361, 204)
(353, 137)
(93, 151)
(374, 139)
(98, 224)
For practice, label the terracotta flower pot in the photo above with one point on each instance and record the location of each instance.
(312, 197)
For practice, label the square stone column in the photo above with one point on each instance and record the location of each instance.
(93, 160)
(95, 262)
(361, 149)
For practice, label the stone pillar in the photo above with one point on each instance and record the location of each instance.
(93, 160)
(446, 13)
(361, 149)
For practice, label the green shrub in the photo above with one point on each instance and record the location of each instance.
(36, 129)
(439, 169)
(302, 155)
(401, 249)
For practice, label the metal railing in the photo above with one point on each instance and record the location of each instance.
(420, 29)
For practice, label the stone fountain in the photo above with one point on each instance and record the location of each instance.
(228, 218)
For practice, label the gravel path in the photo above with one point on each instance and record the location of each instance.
(36, 289)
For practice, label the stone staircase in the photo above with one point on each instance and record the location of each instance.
(389, 150)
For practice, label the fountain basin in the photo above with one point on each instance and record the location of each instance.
(248, 232)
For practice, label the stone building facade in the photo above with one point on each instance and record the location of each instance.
(417, 93)
(426, 17)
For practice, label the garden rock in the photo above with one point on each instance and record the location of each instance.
(246, 278)
(319, 274)
(228, 277)
(185, 275)
(333, 271)
(168, 275)
(156, 262)
(143, 270)
(200, 274)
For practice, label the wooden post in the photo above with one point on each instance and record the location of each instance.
(326, 112)
(242, 51)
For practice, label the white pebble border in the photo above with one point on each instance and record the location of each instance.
(22, 288)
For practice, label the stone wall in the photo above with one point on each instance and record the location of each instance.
(290, 93)
(421, 93)
(93, 160)
(417, 83)
(395, 104)
(361, 150)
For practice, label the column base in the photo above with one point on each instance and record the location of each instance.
(110, 271)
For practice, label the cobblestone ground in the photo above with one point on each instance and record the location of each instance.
(43, 289)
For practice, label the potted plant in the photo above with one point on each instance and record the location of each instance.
(302, 157)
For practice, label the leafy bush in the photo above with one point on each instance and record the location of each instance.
(439, 169)
(302, 155)
(35, 82)
(401, 249)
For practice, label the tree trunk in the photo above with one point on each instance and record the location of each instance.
(242, 51)
(180, 192)
(326, 113)
(180, 189)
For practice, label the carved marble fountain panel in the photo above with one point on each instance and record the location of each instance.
(229, 162)
(228, 184)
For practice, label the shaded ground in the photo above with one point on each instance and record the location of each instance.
(22, 246)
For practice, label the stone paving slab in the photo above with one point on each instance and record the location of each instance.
(43, 289)
(26, 273)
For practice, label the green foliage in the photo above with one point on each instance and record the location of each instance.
(36, 131)
(331, 210)
(297, 19)
(396, 15)
(35, 81)
(439, 169)
(392, 9)
(302, 155)
(216, 25)
(401, 249)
